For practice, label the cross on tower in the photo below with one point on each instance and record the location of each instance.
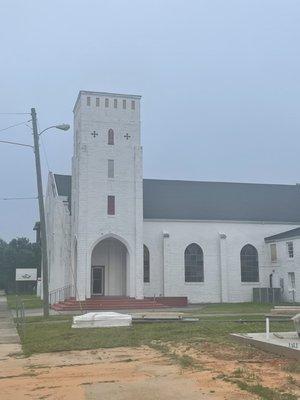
(127, 136)
(94, 134)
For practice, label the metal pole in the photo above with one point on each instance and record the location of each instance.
(42, 214)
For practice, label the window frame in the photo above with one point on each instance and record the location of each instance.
(97, 101)
(290, 242)
(115, 103)
(124, 105)
(88, 101)
(146, 264)
(111, 205)
(106, 103)
(274, 246)
(245, 264)
(193, 264)
(110, 137)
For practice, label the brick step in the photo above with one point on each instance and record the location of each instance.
(109, 303)
(118, 302)
(62, 307)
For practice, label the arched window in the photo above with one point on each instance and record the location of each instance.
(193, 263)
(110, 137)
(249, 264)
(146, 265)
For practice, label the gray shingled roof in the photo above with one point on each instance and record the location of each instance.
(284, 235)
(190, 200)
(221, 201)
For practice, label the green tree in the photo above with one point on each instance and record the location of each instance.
(18, 253)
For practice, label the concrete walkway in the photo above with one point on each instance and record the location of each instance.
(188, 311)
(8, 331)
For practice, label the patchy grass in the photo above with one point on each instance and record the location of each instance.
(50, 335)
(293, 366)
(233, 308)
(184, 360)
(30, 301)
(264, 392)
(252, 383)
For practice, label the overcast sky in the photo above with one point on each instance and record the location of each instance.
(220, 82)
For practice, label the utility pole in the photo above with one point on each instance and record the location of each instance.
(42, 214)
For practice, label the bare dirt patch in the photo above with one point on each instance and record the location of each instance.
(242, 365)
(139, 373)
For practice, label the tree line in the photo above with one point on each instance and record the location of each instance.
(18, 253)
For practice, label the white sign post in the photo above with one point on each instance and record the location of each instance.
(26, 274)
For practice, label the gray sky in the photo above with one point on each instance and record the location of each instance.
(219, 79)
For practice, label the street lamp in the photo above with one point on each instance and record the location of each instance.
(35, 147)
(36, 136)
(62, 127)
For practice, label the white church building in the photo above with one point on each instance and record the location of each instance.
(112, 233)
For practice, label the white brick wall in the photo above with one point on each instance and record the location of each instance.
(58, 237)
(92, 186)
(207, 235)
(284, 265)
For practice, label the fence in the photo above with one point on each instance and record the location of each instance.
(61, 294)
(20, 316)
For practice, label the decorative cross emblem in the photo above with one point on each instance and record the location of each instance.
(127, 136)
(94, 134)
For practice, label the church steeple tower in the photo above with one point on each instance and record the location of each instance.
(107, 184)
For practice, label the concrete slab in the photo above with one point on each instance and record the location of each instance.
(8, 331)
(286, 344)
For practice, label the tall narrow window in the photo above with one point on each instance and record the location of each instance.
(124, 104)
(290, 249)
(273, 250)
(115, 103)
(146, 265)
(106, 103)
(111, 205)
(249, 264)
(110, 169)
(88, 101)
(110, 137)
(132, 104)
(97, 102)
(193, 263)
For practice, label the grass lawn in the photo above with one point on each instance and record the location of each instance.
(30, 301)
(55, 334)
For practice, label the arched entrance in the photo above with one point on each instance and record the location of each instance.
(109, 268)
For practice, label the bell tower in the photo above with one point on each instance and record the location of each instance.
(107, 192)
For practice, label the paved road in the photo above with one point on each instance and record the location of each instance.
(8, 332)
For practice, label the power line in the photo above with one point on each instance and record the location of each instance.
(16, 143)
(18, 198)
(12, 126)
(43, 147)
(13, 113)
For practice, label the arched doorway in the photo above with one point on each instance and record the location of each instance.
(109, 273)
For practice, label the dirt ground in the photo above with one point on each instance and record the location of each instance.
(140, 373)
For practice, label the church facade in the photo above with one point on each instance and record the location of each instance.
(112, 233)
